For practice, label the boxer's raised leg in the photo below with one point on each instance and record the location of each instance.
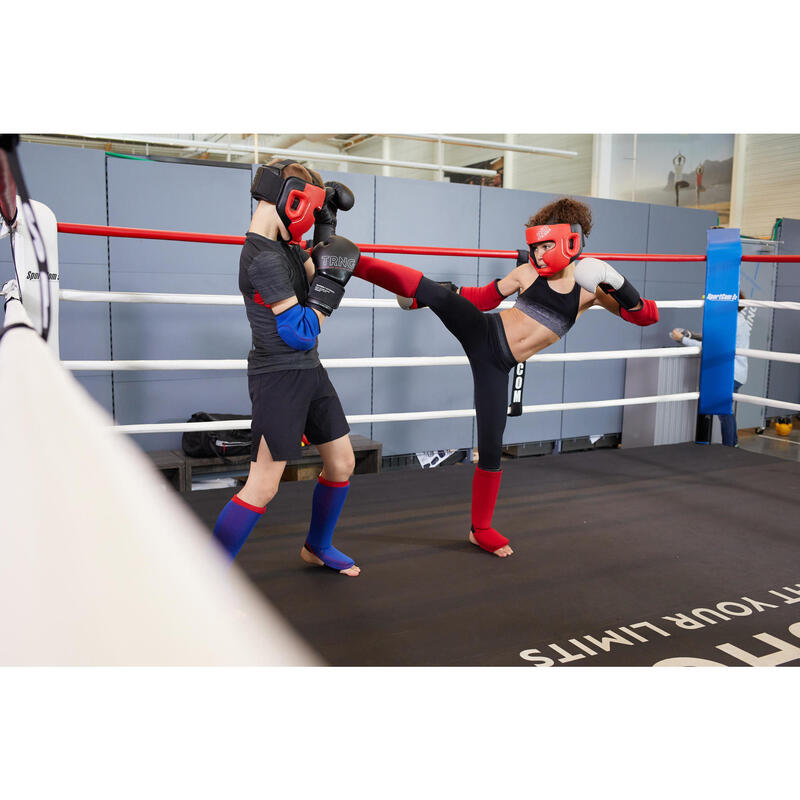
(459, 315)
(388, 275)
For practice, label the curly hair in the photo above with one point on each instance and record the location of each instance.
(565, 210)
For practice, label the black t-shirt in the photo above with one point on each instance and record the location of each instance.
(268, 273)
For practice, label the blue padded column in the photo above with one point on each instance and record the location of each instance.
(719, 328)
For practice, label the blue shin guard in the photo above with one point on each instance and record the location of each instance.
(328, 500)
(234, 524)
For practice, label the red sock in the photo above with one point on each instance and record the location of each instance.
(485, 486)
(392, 277)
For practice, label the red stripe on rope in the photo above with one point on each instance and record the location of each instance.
(473, 253)
(409, 250)
(412, 250)
(770, 259)
(144, 233)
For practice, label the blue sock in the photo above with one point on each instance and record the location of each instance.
(234, 524)
(328, 500)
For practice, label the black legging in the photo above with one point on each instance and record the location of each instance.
(484, 342)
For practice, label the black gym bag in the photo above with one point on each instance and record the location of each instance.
(220, 444)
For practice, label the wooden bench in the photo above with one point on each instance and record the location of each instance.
(180, 469)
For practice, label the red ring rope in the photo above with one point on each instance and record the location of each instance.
(214, 238)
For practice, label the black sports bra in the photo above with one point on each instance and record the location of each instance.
(556, 311)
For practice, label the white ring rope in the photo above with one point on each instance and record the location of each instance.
(785, 440)
(765, 401)
(400, 361)
(341, 363)
(788, 304)
(769, 355)
(356, 419)
(78, 295)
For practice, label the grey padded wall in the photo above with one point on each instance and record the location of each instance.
(757, 281)
(215, 198)
(784, 379)
(423, 213)
(674, 231)
(184, 197)
(618, 227)
(72, 182)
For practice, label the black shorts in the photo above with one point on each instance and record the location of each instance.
(288, 404)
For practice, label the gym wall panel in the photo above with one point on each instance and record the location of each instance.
(677, 231)
(784, 379)
(186, 197)
(214, 198)
(174, 397)
(617, 227)
(757, 281)
(436, 214)
(71, 182)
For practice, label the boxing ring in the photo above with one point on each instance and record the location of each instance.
(666, 555)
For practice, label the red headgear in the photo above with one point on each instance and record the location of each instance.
(568, 241)
(294, 199)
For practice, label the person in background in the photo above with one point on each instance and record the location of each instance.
(744, 326)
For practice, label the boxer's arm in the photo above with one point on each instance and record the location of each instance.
(609, 288)
(490, 296)
(485, 298)
(512, 282)
(297, 325)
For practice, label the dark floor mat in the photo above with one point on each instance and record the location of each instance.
(622, 557)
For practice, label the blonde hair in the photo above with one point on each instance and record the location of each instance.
(298, 171)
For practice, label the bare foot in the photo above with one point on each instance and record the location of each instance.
(310, 558)
(502, 552)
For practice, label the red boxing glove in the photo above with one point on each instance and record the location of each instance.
(485, 298)
(646, 315)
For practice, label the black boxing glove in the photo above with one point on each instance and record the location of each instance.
(334, 262)
(338, 197)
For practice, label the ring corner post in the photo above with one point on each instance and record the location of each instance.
(723, 261)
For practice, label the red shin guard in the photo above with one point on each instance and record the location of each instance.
(485, 486)
(392, 277)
